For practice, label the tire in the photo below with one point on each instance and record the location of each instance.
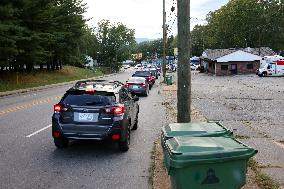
(124, 145)
(135, 126)
(147, 92)
(264, 74)
(61, 143)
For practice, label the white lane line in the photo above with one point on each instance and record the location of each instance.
(38, 131)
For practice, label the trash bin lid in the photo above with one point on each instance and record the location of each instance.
(184, 151)
(195, 129)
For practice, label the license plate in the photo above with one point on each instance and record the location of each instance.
(86, 117)
(135, 87)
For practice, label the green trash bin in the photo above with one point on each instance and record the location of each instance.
(207, 162)
(200, 129)
(169, 79)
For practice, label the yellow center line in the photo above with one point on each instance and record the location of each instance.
(28, 105)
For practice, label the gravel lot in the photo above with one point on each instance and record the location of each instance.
(252, 107)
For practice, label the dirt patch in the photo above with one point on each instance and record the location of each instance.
(161, 180)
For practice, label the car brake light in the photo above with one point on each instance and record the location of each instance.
(56, 134)
(142, 85)
(115, 137)
(118, 110)
(57, 108)
(128, 85)
(90, 90)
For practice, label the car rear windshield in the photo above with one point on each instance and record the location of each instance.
(136, 80)
(142, 73)
(89, 99)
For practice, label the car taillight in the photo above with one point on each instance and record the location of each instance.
(90, 90)
(56, 134)
(115, 137)
(118, 110)
(57, 108)
(142, 85)
(128, 85)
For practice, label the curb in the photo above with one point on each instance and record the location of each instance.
(20, 91)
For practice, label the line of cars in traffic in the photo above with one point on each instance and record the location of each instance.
(142, 80)
(101, 110)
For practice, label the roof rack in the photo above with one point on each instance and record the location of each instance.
(100, 84)
(89, 81)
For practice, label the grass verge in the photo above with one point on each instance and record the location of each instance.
(8, 80)
(152, 165)
(263, 180)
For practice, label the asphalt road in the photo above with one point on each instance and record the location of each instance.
(29, 159)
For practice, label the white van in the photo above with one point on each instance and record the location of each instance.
(272, 69)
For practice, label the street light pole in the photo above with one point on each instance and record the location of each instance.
(184, 72)
(164, 38)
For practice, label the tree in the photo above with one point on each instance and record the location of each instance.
(242, 23)
(115, 41)
(10, 31)
(41, 32)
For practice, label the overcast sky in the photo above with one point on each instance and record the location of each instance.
(145, 16)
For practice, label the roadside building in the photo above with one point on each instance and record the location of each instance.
(234, 61)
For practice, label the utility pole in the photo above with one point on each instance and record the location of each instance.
(164, 38)
(184, 72)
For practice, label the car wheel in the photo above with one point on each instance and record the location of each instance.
(264, 74)
(135, 126)
(146, 92)
(124, 145)
(61, 143)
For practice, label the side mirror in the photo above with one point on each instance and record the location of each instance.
(136, 98)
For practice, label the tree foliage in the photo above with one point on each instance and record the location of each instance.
(151, 49)
(115, 42)
(41, 32)
(242, 23)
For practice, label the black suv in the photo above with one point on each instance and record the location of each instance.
(95, 110)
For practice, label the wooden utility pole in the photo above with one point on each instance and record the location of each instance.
(164, 38)
(184, 72)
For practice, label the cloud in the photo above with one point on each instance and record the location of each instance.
(145, 16)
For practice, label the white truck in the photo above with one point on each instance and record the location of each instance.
(270, 59)
(272, 69)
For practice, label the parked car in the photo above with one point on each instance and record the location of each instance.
(138, 85)
(193, 66)
(95, 110)
(138, 66)
(154, 72)
(147, 75)
(158, 69)
(126, 66)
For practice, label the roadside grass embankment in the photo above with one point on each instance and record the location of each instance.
(8, 80)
